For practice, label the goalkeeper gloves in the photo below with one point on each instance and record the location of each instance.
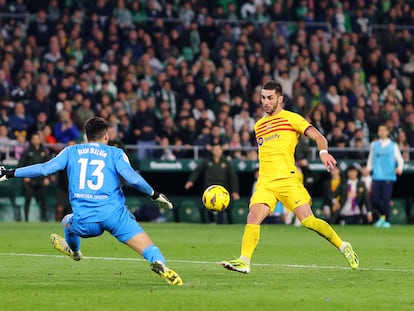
(161, 200)
(5, 174)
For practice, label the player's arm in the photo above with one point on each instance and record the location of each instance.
(327, 159)
(34, 170)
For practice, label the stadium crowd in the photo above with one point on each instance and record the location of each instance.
(171, 72)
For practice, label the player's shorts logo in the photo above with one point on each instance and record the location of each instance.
(260, 141)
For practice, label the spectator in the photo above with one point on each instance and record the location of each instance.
(113, 138)
(144, 129)
(5, 86)
(84, 112)
(235, 147)
(53, 54)
(35, 187)
(243, 119)
(366, 178)
(125, 130)
(215, 170)
(168, 95)
(217, 137)
(166, 153)
(374, 116)
(5, 150)
(144, 91)
(41, 28)
(354, 205)
(385, 162)
(40, 104)
(44, 84)
(41, 120)
(201, 112)
(330, 203)
(5, 142)
(337, 136)
(403, 145)
(133, 45)
(20, 121)
(122, 15)
(23, 92)
(65, 129)
(20, 144)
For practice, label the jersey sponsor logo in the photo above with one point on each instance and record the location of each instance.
(90, 196)
(261, 140)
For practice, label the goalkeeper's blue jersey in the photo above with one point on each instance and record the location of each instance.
(93, 177)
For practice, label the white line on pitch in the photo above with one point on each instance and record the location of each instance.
(299, 266)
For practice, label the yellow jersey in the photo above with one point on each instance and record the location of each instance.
(277, 137)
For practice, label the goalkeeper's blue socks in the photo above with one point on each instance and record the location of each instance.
(73, 240)
(153, 254)
(70, 238)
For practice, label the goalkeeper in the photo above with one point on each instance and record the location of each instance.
(96, 198)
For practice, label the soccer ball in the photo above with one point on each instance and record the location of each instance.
(216, 198)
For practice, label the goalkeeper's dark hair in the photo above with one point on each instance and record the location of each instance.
(95, 128)
(273, 85)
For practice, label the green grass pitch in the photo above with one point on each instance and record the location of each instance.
(293, 269)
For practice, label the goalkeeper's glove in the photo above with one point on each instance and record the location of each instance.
(5, 174)
(161, 200)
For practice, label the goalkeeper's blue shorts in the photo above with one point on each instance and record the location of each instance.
(121, 225)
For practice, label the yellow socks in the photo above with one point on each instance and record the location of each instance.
(250, 240)
(322, 228)
(251, 235)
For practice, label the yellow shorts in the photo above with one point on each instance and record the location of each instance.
(289, 191)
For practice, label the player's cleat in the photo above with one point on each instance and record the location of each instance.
(60, 244)
(379, 223)
(238, 265)
(166, 273)
(351, 256)
(386, 224)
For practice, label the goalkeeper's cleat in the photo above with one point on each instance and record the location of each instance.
(60, 244)
(238, 265)
(351, 256)
(166, 273)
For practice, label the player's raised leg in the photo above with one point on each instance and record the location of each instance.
(70, 245)
(308, 220)
(142, 244)
(60, 244)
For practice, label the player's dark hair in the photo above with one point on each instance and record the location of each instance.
(273, 85)
(95, 128)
